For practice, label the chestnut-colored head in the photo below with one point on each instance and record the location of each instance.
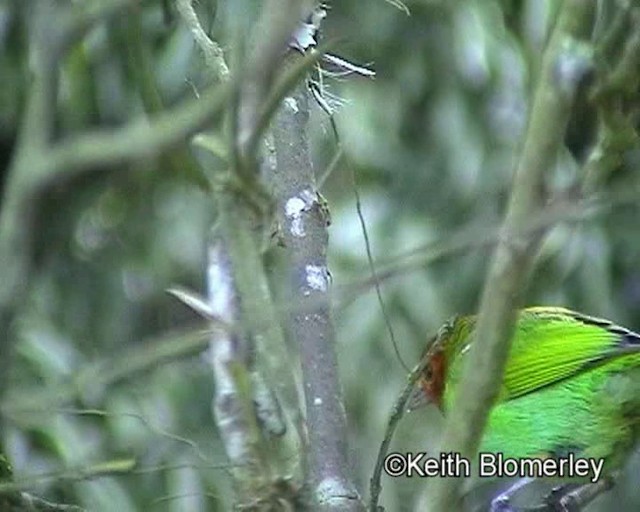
(449, 340)
(433, 378)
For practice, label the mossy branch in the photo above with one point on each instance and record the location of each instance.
(233, 404)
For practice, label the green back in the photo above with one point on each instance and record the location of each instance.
(570, 384)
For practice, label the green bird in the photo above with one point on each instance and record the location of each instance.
(571, 385)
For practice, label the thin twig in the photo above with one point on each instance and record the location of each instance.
(98, 470)
(213, 55)
(104, 373)
(397, 412)
(367, 245)
(139, 138)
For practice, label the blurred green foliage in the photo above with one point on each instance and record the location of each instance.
(433, 139)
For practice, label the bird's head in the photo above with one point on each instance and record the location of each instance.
(432, 381)
(439, 355)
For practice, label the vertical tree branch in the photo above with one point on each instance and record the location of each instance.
(563, 64)
(303, 220)
(262, 317)
(240, 209)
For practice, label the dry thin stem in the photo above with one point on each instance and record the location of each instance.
(398, 410)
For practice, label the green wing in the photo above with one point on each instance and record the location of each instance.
(554, 344)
